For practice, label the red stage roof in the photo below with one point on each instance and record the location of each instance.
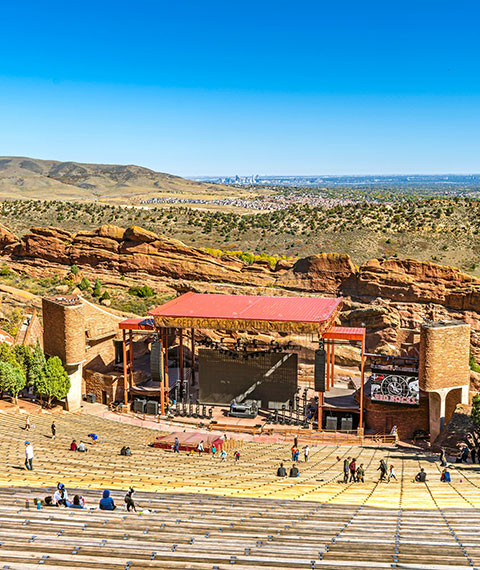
(345, 333)
(249, 308)
(143, 324)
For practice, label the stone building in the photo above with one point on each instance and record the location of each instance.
(87, 340)
(444, 382)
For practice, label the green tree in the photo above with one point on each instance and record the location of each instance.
(74, 270)
(53, 381)
(143, 292)
(7, 354)
(36, 365)
(97, 289)
(84, 284)
(476, 409)
(23, 356)
(12, 379)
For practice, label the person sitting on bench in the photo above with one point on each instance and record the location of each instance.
(78, 502)
(106, 502)
(294, 472)
(60, 498)
(421, 476)
(281, 471)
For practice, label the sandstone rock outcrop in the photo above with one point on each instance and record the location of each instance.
(391, 297)
(133, 251)
(324, 272)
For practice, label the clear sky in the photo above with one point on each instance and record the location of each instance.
(199, 87)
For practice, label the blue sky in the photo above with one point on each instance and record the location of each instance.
(195, 88)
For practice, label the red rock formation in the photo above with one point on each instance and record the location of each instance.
(390, 295)
(321, 273)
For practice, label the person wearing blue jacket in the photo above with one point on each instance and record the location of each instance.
(106, 503)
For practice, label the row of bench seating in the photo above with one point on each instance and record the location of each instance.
(196, 512)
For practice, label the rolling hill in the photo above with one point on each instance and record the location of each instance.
(29, 178)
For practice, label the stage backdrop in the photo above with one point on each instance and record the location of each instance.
(225, 376)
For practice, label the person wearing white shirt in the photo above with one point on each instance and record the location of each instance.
(61, 496)
(28, 456)
(306, 452)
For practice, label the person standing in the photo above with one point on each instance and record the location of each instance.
(391, 474)
(223, 455)
(361, 473)
(200, 448)
(383, 469)
(306, 453)
(443, 458)
(294, 451)
(129, 500)
(237, 455)
(214, 450)
(28, 456)
(353, 470)
(176, 446)
(346, 469)
(27, 423)
(54, 429)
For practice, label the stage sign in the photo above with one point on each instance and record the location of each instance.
(392, 387)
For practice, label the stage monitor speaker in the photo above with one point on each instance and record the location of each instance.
(347, 424)
(156, 362)
(332, 423)
(320, 365)
(139, 406)
(152, 407)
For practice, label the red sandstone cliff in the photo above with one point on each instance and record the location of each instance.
(387, 295)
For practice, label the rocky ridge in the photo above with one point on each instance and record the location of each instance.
(392, 297)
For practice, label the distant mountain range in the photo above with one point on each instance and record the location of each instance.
(31, 178)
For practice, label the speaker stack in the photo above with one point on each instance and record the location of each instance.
(320, 366)
(156, 362)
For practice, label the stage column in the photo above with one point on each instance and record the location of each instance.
(362, 371)
(332, 374)
(327, 365)
(130, 346)
(321, 400)
(193, 357)
(125, 368)
(181, 361)
(162, 368)
(167, 385)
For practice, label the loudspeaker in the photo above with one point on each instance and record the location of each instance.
(139, 406)
(320, 364)
(156, 362)
(152, 407)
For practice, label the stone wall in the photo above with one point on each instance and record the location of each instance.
(444, 355)
(112, 384)
(382, 417)
(64, 328)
